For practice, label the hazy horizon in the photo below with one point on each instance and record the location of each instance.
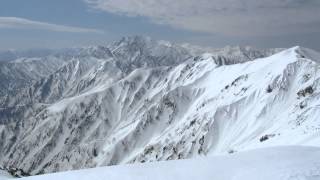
(58, 24)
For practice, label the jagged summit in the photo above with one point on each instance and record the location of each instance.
(135, 40)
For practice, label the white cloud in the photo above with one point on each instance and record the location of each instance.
(229, 17)
(21, 23)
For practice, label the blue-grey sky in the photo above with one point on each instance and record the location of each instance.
(68, 23)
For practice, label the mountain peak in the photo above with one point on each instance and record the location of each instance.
(134, 40)
(307, 53)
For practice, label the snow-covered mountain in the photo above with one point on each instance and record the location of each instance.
(139, 100)
(17, 74)
(12, 54)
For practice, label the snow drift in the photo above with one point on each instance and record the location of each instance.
(281, 163)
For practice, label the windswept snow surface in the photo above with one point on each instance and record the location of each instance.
(5, 175)
(280, 163)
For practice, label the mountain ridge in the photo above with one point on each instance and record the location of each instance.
(98, 110)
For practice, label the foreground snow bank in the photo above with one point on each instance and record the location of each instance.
(5, 175)
(279, 163)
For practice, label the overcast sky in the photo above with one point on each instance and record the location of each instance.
(67, 23)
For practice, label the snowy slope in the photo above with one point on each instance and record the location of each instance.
(23, 72)
(4, 175)
(285, 163)
(143, 101)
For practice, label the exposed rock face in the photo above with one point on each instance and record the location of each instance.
(139, 100)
